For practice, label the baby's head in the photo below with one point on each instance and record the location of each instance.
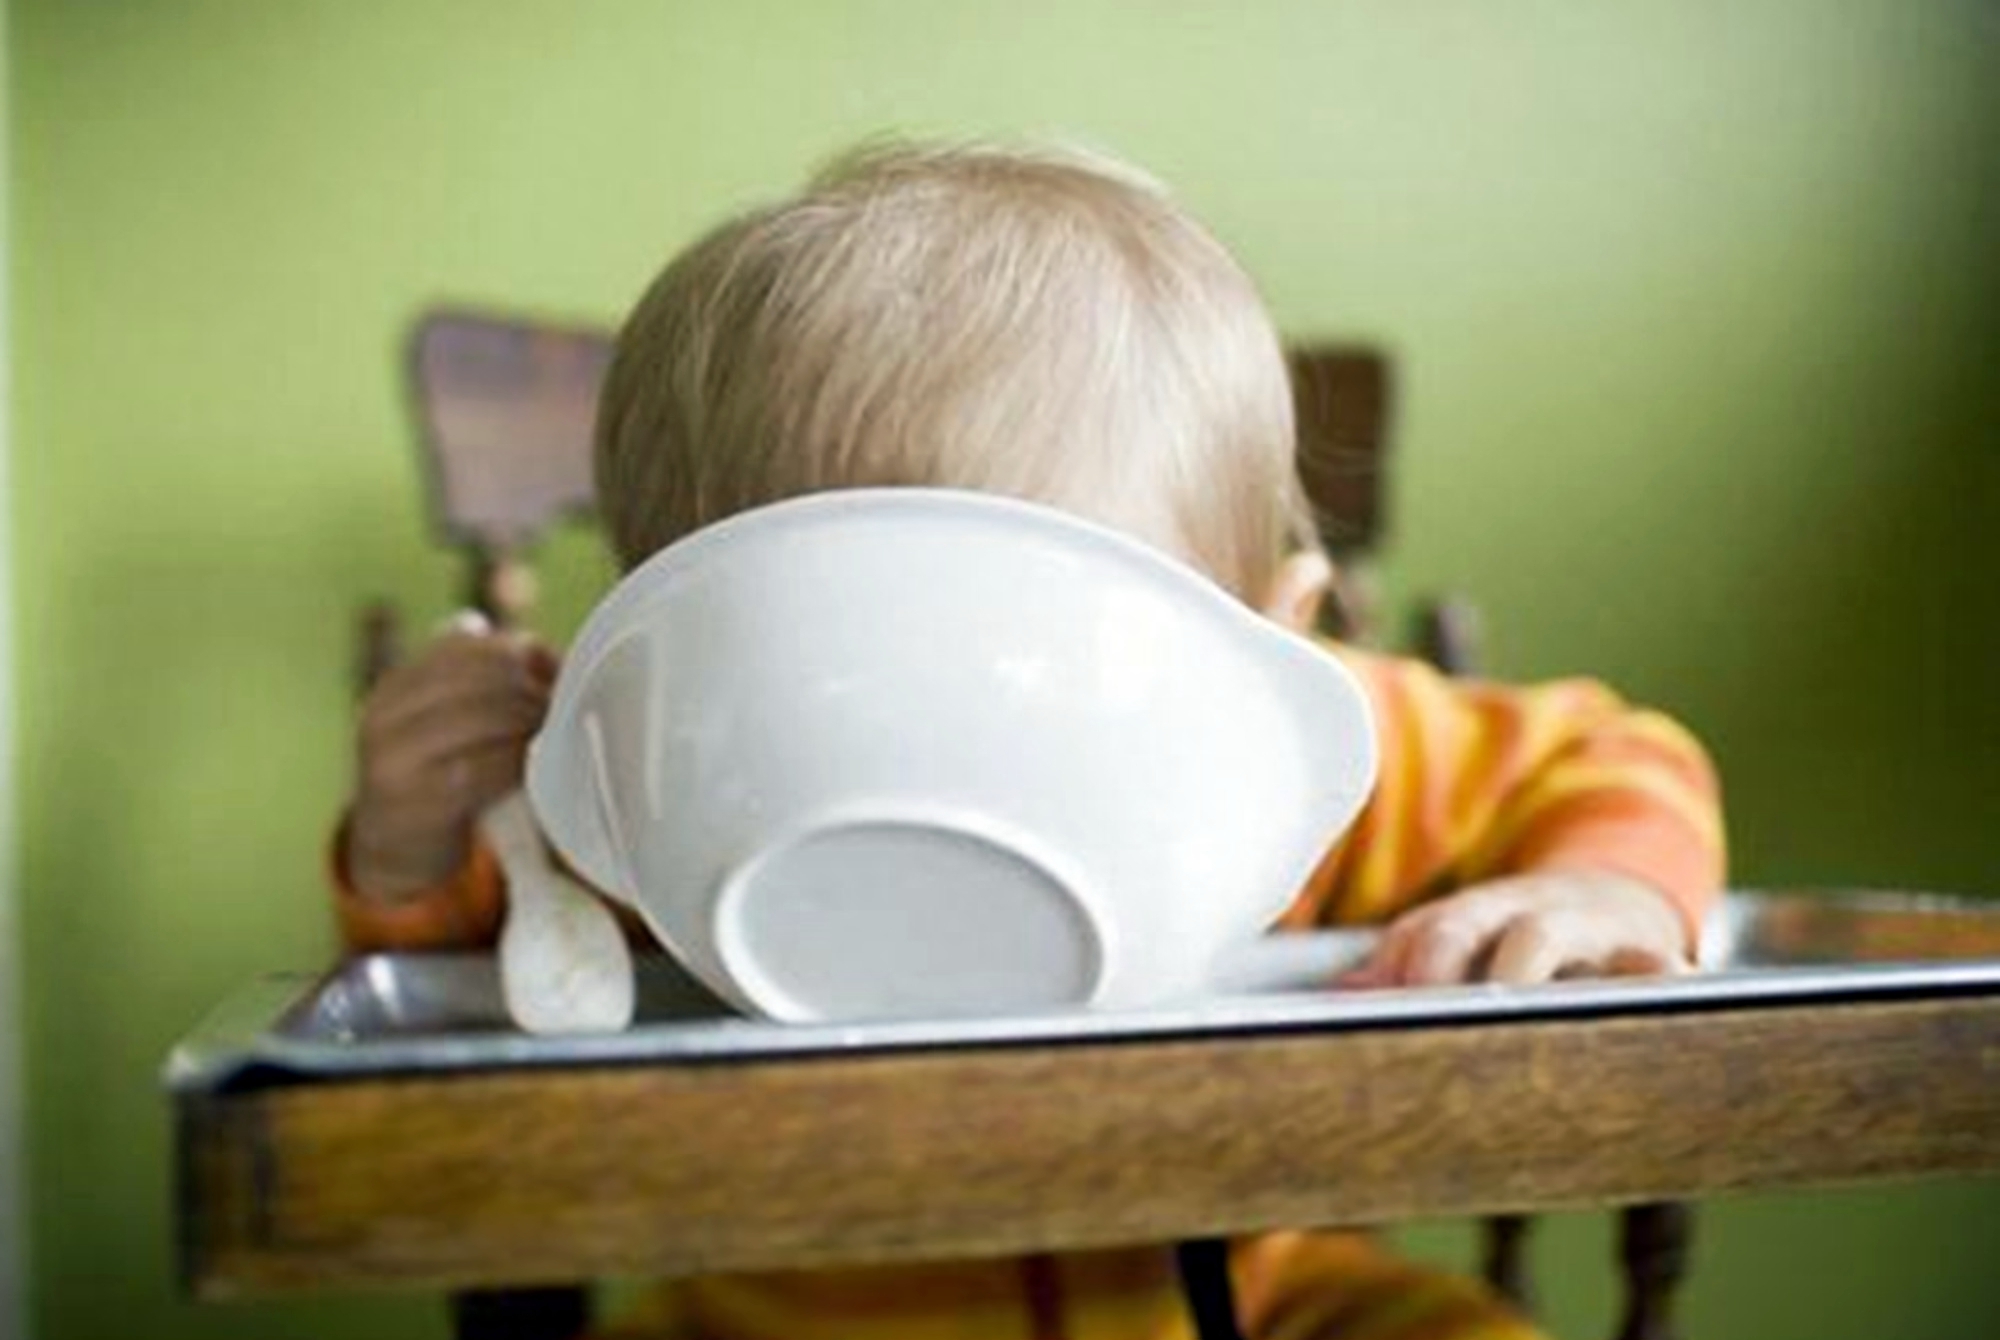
(1047, 326)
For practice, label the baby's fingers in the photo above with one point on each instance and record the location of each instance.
(458, 672)
(1530, 950)
(397, 759)
(1452, 944)
(477, 777)
(1541, 949)
(1385, 965)
(1631, 962)
(1444, 953)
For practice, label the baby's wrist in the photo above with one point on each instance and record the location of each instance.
(389, 862)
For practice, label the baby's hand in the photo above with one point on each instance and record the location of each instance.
(1531, 928)
(442, 737)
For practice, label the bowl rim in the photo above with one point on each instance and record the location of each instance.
(649, 581)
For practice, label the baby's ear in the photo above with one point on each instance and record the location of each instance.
(1297, 591)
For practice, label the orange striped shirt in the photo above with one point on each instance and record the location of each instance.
(1480, 780)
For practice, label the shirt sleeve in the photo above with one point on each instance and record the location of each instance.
(461, 912)
(1482, 780)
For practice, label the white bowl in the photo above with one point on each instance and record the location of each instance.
(917, 752)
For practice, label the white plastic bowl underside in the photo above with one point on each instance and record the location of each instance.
(901, 753)
(885, 918)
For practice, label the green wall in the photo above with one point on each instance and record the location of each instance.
(13, 1199)
(1696, 304)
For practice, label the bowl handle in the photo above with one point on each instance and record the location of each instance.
(568, 785)
(1335, 726)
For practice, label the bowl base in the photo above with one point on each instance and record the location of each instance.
(898, 918)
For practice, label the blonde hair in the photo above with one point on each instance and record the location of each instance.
(1044, 325)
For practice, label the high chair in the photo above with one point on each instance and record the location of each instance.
(506, 409)
(497, 1179)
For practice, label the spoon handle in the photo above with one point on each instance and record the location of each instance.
(564, 963)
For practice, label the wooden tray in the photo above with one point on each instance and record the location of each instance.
(381, 1125)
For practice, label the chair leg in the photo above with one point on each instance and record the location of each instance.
(1653, 1245)
(1507, 1259)
(560, 1313)
(1204, 1267)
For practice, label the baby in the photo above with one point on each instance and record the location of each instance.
(1053, 327)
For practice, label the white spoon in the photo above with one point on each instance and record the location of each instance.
(564, 963)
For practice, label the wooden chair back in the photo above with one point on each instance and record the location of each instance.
(506, 408)
(1344, 400)
(507, 411)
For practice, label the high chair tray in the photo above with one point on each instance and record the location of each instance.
(403, 1014)
(383, 1127)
